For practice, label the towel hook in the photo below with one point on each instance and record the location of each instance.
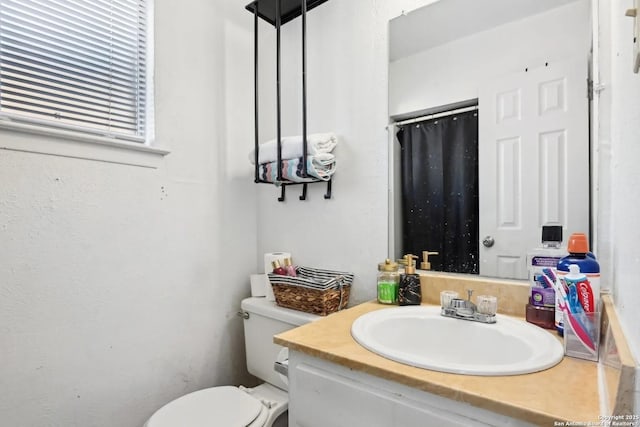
(303, 196)
(328, 193)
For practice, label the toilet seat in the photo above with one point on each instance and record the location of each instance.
(216, 406)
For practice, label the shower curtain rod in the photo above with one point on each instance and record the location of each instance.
(436, 115)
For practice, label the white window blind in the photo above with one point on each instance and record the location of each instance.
(79, 64)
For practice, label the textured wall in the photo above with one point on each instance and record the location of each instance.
(620, 230)
(625, 135)
(119, 284)
(347, 94)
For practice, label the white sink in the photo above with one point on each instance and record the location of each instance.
(420, 336)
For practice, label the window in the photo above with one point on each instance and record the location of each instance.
(76, 64)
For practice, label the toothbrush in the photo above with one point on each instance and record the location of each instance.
(550, 274)
(576, 308)
(579, 330)
(545, 281)
(577, 318)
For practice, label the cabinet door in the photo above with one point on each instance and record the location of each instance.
(321, 398)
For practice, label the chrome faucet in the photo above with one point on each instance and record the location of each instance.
(459, 308)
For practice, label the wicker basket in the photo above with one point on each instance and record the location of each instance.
(314, 291)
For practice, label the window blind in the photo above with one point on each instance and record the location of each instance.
(78, 64)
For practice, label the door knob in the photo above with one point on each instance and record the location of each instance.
(488, 241)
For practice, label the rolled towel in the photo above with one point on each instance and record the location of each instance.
(319, 167)
(317, 143)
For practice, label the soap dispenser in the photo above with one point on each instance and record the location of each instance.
(409, 292)
(388, 278)
(425, 264)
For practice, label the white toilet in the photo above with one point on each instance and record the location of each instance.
(228, 406)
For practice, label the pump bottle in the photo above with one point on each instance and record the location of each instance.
(388, 282)
(409, 292)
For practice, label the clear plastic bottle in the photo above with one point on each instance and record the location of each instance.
(388, 279)
(580, 255)
(546, 256)
(542, 263)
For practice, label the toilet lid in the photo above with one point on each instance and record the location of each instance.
(216, 406)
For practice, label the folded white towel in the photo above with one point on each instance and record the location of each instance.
(317, 143)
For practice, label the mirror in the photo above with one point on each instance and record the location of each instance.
(520, 67)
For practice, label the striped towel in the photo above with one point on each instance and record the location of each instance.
(319, 167)
(314, 278)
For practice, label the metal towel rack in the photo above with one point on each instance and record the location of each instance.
(278, 13)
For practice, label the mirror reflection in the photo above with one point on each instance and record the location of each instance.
(490, 114)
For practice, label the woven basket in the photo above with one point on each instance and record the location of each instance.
(314, 290)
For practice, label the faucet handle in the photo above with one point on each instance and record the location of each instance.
(487, 304)
(469, 293)
(446, 297)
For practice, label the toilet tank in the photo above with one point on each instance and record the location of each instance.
(265, 320)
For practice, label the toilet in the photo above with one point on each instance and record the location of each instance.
(229, 406)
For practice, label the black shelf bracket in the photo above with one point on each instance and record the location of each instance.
(289, 9)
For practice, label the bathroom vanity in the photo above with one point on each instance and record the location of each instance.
(329, 394)
(334, 381)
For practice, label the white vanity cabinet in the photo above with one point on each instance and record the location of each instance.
(325, 394)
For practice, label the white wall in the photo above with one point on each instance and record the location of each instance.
(347, 94)
(624, 87)
(454, 71)
(119, 284)
(620, 136)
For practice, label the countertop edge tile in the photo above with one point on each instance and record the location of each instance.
(624, 366)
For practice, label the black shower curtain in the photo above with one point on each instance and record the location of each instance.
(439, 178)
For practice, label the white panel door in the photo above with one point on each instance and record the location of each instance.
(533, 162)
